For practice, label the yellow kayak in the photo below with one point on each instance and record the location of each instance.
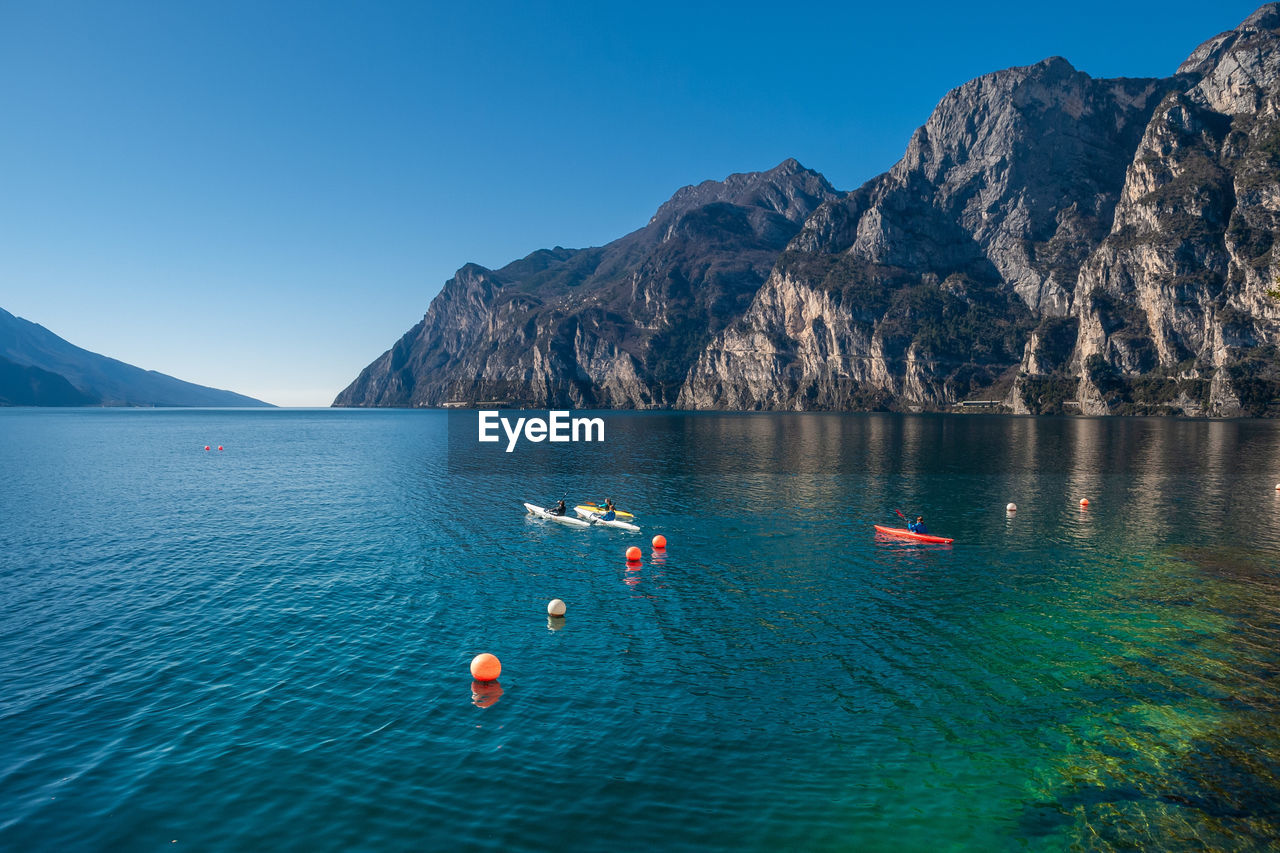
(580, 509)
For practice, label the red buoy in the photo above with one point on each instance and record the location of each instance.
(659, 542)
(633, 554)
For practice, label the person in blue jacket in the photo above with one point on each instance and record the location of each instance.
(917, 526)
(609, 513)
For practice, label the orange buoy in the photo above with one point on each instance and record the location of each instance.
(659, 541)
(633, 554)
(219, 446)
(485, 667)
(206, 447)
(1084, 502)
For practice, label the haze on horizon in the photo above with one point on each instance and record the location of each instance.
(263, 198)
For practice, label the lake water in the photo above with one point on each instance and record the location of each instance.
(267, 647)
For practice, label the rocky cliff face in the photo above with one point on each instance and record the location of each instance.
(614, 326)
(1173, 308)
(1052, 241)
(925, 283)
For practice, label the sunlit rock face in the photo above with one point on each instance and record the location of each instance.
(613, 327)
(1051, 241)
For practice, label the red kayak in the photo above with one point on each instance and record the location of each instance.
(903, 533)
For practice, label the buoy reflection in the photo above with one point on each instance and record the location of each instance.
(632, 574)
(485, 693)
(555, 623)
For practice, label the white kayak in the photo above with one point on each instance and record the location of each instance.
(563, 519)
(594, 518)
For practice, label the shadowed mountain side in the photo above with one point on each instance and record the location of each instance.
(22, 385)
(103, 380)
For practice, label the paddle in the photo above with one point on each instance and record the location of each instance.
(592, 518)
(904, 518)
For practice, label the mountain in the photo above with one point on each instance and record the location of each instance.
(30, 386)
(38, 368)
(613, 326)
(927, 281)
(1049, 241)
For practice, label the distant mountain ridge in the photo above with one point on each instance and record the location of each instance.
(39, 368)
(23, 385)
(1049, 241)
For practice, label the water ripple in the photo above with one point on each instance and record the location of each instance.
(268, 647)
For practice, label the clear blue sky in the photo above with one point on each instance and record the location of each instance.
(263, 196)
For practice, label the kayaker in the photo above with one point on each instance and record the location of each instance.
(560, 509)
(610, 512)
(917, 526)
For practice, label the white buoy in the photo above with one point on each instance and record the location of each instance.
(1278, 487)
(1011, 508)
(555, 608)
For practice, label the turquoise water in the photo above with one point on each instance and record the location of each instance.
(267, 647)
